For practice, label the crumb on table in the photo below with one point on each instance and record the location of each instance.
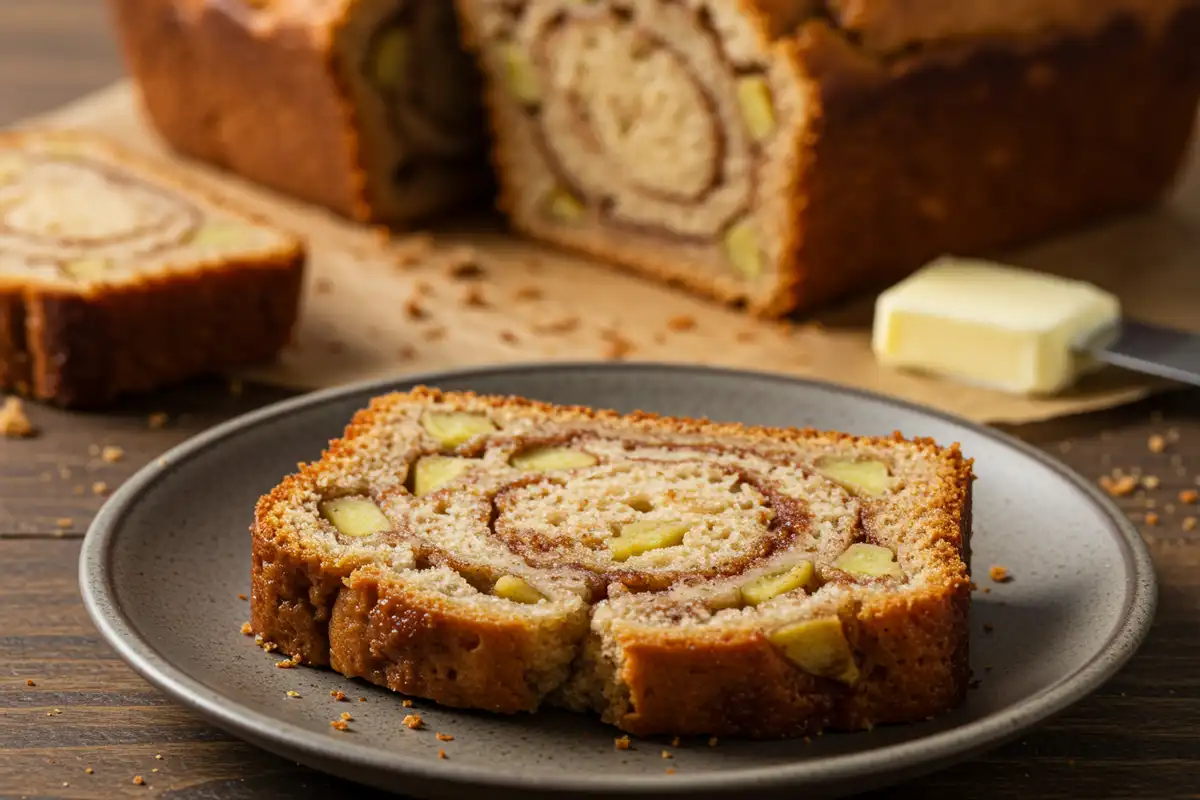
(622, 743)
(444, 737)
(292, 693)
(412, 721)
(13, 421)
(1119, 487)
(111, 454)
(999, 574)
(339, 725)
(442, 753)
(338, 696)
(246, 629)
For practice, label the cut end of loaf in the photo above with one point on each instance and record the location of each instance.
(660, 135)
(648, 569)
(415, 96)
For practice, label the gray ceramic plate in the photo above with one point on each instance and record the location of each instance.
(164, 562)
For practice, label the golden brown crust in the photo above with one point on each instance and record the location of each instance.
(87, 350)
(912, 648)
(409, 646)
(970, 150)
(266, 106)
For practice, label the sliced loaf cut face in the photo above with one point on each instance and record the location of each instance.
(368, 107)
(674, 576)
(787, 153)
(116, 276)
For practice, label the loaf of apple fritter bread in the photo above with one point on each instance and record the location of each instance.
(676, 576)
(786, 153)
(116, 276)
(367, 107)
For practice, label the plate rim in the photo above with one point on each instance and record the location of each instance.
(100, 598)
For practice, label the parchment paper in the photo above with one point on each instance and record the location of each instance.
(357, 322)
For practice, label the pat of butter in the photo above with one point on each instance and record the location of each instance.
(991, 325)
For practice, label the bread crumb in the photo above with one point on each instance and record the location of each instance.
(157, 420)
(158, 757)
(242, 597)
(292, 693)
(154, 769)
(666, 754)
(473, 298)
(1151, 518)
(1189, 523)
(442, 753)
(999, 574)
(681, 323)
(14, 423)
(557, 326)
(464, 270)
(111, 454)
(670, 770)
(622, 743)
(1189, 496)
(414, 309)
(675, 742)
(100, 488)
(508, 337)
(30, 682)
(617, 346)
(346, 716)
(64, 522)
(459, 259)
(88, 770)
(1151, 482)
(246, 629)
(362, 699)
(1119, 487)
(138, 780)
(412, 721)
(1156, 443)
(712, 741)
(288, 663)
(528, 293)
(339, 724)
(443, 737)
(406, 703)
(338, 696)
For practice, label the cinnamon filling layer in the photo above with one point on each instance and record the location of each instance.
(644, 120)
(708, 512)
(58, 212)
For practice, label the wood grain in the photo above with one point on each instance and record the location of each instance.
(1138, 737)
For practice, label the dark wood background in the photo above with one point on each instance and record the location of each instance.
(1139, 737)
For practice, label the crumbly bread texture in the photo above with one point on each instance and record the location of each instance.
(785, 153)
(675, 576)
(118, 277)
(367, 107)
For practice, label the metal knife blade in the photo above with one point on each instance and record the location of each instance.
(1150, 349)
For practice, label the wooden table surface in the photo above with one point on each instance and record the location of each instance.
(1137, 737)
